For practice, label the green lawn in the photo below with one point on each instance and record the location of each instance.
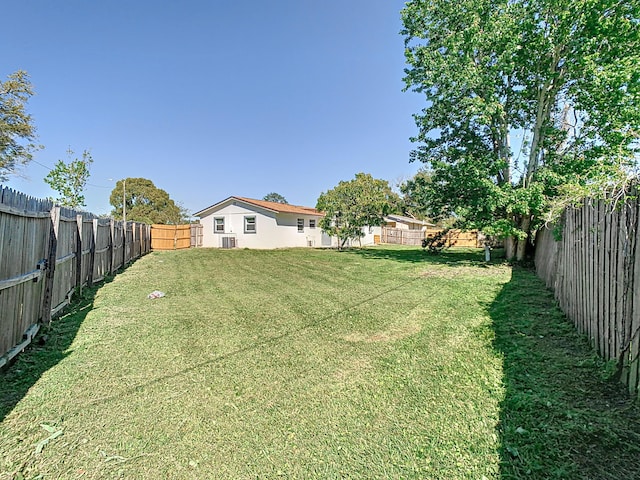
(373, 363)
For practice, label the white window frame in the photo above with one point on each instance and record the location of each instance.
(247, 224)
(312, 223)
(301, 225)
(215, 225)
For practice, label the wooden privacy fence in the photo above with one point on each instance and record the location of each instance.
(457, 238)
(46, 253)
(402, 236)
(175, 237)
(450, 238)
(594, 270)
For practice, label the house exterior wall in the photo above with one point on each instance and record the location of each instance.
(368, 239)
(272, 230)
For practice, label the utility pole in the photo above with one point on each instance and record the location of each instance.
(124, 223)
(124, 202)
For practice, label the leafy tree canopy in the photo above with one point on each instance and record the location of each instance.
(415, 194)
(563, 75)
(354, 204)
(274, 197)
(17, 132)
(144, 202)
(70, 179)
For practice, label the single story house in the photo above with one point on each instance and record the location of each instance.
(406, 223)
(248, 223)
(240, 222)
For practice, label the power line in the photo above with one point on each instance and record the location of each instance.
(51, 169)
(42, 164)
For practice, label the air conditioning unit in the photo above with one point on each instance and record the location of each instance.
(228, 242)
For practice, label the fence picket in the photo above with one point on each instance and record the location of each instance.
(46, 252)
(595, 273)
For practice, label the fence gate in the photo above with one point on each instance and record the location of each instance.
(173, 237)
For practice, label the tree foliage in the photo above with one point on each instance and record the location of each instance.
(70, 179)
(415, 194)
(355, 204)
(564, 75)
(144, 202)
(17, 132)
(274, 197)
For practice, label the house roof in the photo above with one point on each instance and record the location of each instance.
(400, 218)
(272, 206)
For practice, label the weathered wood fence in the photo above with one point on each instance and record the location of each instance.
(594, 270)
(176, 237)
(48, 252)
(402, 236)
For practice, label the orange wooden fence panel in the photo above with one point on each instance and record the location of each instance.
(170, 237)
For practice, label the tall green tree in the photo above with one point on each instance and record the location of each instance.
(144, 202)
(563, 75)
(274, 197)
(354, 204)
(70, 179)
(17, 132)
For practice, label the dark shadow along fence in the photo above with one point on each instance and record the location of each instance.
(594, 270)
(48, 252)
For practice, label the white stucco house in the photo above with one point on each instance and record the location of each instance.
(239, 222)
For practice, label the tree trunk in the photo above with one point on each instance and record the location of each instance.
(510, 247)
(522, 243)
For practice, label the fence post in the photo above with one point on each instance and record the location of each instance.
(133, 241)
(124, 244)
(51, 265)
(79, 248)
(112, 245)
(92, 258)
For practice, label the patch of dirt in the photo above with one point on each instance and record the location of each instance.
(393, 333)
(453, 272)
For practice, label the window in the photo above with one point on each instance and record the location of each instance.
(249, 224)
(312, 223)
(300, 225)
(218, 225)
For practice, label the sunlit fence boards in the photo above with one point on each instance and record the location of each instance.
(175, 237)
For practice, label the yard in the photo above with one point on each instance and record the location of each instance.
(372, 363)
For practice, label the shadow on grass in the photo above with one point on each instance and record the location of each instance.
(398, 253)
(562, 415)
(48, 348)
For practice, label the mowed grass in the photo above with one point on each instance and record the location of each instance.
(372, 363)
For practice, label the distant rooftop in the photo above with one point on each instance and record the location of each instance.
(400, 218)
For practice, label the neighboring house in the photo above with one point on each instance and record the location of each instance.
(406, 223)
(248, 223)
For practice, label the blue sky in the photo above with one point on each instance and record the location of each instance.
(215, 98)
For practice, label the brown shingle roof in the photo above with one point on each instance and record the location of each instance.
(282, 207)
(273, 206)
